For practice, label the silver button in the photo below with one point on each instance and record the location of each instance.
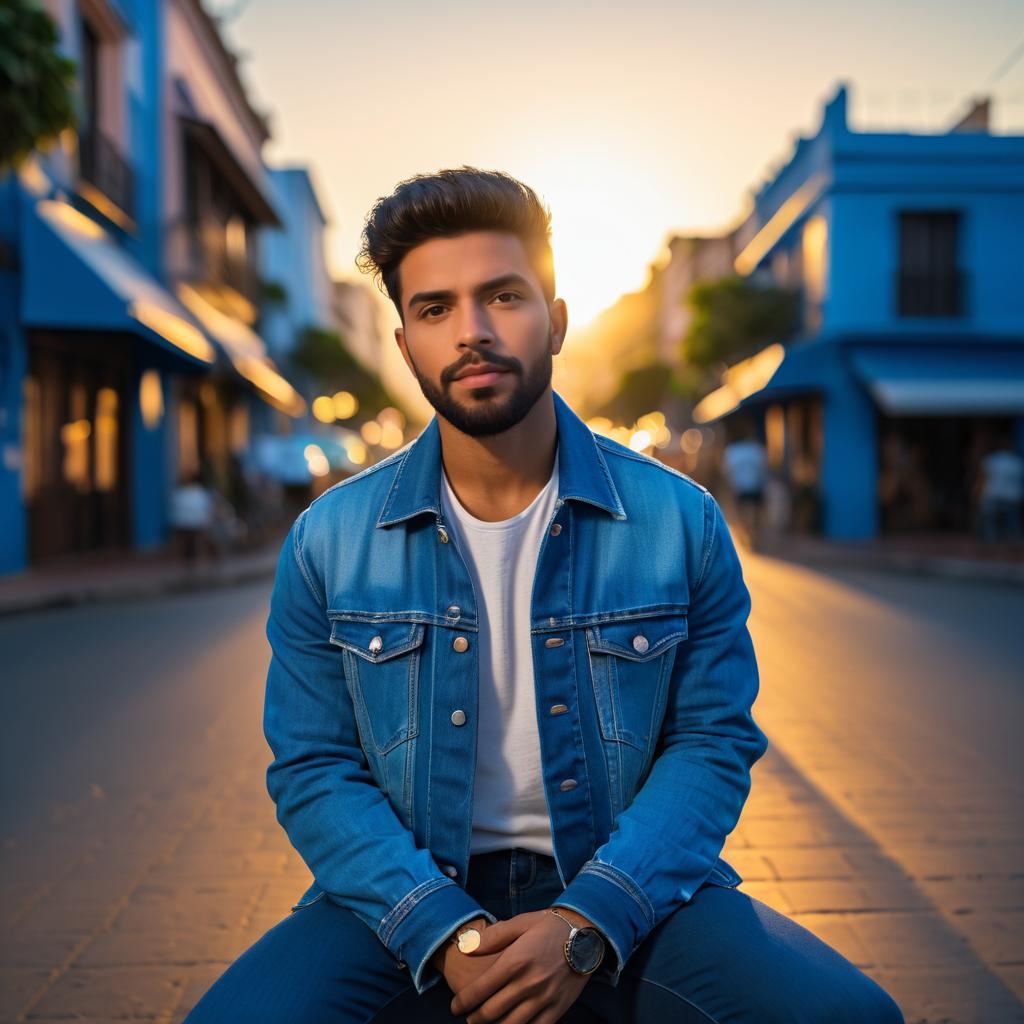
(376, 644)
(559, 709)
(451, 870)
(556, 529)
(458, 717)
(443, 534)
(453, 611)
(640, 644)
(554, 641)
(568, 784)
(460, 643)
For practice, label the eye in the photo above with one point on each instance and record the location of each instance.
(426, 312)
(508, 296)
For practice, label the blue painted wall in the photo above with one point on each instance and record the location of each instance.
(13, 358)
(866, 180)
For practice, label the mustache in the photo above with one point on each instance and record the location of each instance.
(501, 362)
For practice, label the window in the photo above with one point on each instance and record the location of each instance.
(929, 279)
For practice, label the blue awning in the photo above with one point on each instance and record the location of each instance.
(78, 278)
(968, 378)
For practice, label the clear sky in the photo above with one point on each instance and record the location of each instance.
(631, 120)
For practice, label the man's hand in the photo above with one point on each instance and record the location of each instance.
(530, 981)
(459, 969)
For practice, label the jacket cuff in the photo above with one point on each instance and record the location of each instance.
(417, 927)
(617, 907)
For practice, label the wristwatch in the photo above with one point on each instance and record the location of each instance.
(584, 949)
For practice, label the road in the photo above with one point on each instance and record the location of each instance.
(141, 855)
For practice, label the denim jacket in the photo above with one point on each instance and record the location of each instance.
(645, 676)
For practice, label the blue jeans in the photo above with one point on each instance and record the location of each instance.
(723, 956)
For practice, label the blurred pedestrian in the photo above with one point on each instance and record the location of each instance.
(745, 462)
(191, 517)
(1000, 494)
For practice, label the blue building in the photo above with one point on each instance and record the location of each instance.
(907, 251)
(130, 357)
(294, 258)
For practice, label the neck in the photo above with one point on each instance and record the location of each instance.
(496, 477)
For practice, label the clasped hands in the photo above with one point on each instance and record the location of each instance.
(518, 974)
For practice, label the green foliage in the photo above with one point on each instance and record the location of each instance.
(274, 292)
(733, 319)
(36, 82)
(322, 356)
(641, 389)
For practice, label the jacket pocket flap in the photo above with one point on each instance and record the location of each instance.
(637, 639)
(376, 641)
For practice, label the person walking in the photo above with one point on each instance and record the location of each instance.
(509, 698)
(745, 462)
(1001, 494)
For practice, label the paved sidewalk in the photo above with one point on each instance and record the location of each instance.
(135, 910)
(954, 557)
(894, 845)
(130, 575)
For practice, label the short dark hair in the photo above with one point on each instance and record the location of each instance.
(447, 204)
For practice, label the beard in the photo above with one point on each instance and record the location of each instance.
(485, 411)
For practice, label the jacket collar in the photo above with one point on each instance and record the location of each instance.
(582, 472)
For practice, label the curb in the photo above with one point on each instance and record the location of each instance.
(1010, 573)
(100, 592)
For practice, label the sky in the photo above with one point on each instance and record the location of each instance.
(633, 122)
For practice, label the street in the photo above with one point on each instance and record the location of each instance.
(141, 853)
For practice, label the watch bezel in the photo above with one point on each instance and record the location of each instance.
(572, 941)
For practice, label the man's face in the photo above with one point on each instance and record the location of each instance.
(474, 301)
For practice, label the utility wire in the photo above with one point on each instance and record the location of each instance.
(1008, 63)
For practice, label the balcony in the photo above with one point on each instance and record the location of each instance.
(108, 173)
(935, 294)
(212, 260)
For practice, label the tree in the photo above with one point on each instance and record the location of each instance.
(36, 82)
(322, 356)
(733, 319)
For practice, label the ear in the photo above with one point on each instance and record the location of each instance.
(559, 316)
(403, 348)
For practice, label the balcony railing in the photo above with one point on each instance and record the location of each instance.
(102, 166)
(210, 261)
(942, 294)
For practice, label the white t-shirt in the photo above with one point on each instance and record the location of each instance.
(745, 465)
(509, 808)
(1004, 476)
(191, 507)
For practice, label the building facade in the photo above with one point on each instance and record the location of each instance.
(130, 357)
(907, 251)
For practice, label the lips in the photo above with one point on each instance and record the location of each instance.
(479, 375)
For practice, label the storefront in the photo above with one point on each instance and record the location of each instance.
(882, 435)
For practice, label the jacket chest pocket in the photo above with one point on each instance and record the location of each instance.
(382, 664)
(630, 664)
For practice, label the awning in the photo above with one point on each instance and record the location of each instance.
(78, 278)
(954, 379)
(740, 381)
(247, 352)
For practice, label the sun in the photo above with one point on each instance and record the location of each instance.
(608, 225)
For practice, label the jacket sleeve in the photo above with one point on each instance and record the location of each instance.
(663, 846)
(335, 815)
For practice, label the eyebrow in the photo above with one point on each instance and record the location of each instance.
(445, 295)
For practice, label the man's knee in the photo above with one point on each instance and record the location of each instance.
(852, 999)
(320, 963)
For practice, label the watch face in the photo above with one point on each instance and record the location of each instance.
(586, 950)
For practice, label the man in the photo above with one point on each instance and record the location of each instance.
(509, 698)
(745, 462)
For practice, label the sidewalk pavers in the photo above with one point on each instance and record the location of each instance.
(129, 904)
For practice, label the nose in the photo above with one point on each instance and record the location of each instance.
(474, 326)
